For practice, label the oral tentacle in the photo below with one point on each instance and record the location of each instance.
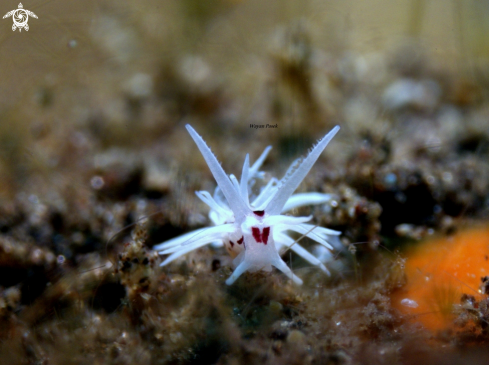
(238, 206)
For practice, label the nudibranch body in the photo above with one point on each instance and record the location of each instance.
(252, 227)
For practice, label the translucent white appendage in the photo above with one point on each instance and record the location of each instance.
(308, 232)
(243, 185)
(303, 199)
(209, 233)
(184, 250)
(242, 267)
(297, 173)
(286, 241)
(178, 240)
(209, 200)
(282, 266)
(256, 166)
(238, 206)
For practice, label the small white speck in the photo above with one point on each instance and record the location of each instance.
(139, 85)
(142, 204)
(36, 255)
(338, 323)
(390, 179)
(351, 212)
(447, 177)
(97, 182)
(33, 199)
(409, 303)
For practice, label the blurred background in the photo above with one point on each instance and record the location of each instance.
(103, 74)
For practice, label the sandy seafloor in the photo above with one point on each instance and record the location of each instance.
(96, 167)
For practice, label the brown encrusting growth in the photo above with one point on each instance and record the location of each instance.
(472, 317)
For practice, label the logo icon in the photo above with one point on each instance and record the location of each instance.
(20, 17)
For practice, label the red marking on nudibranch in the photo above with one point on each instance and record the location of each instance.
(261, 237)
(256, 234)
(265, 234)
(259, 213)
(240, 241)
(232, 243)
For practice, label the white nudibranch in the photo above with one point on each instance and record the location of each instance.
(252, 227)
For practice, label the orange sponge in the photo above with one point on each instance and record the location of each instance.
(438, 272)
